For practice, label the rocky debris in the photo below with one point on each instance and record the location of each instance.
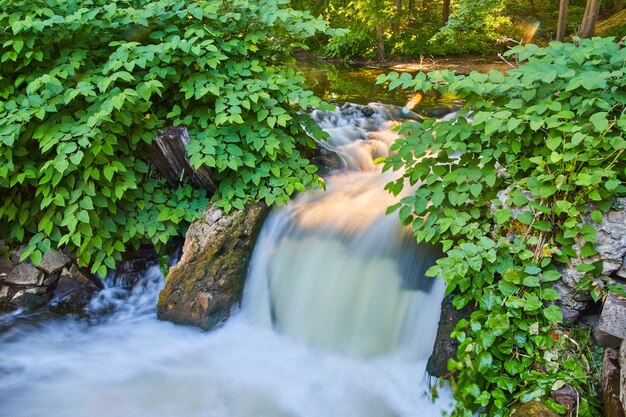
(445, 347)
(534, 409)
(208, 281)
(611, 328)
(610, 384)
(26, 286)
(53, 262)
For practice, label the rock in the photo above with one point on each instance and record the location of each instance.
(4, 295)
(613, 317)
(208, 281)
(73, 291)
(436, 111)
(5, 267)
(53, 262)
(24, 274)
(534, 409)
(570, 316)
(16, 254)
(445, 347)
(610, 384)
(567, 396)
(30, 299)
(611, 247)
(134, 264)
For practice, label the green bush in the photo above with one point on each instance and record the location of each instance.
(503, 188)
(358, 42)
(84, 86)
(475, 26)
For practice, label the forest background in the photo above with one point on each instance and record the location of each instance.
(379, 29)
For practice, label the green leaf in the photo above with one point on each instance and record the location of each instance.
(553, 314)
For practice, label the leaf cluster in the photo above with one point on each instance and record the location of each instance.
(506, 187)
(86, 84)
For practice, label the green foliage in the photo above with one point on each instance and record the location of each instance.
(474, 26)
(355, 43)
(504, 187)
(84, 86)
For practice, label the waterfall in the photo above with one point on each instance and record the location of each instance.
(332, 269)
(337, 319)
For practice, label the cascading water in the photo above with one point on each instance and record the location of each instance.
(333, 269)
(337, 320)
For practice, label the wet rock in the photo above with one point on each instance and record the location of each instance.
(445, 347)
(24, 274)
(612, 325)
(567, 396)
(53, 262)
(367, 111)
(436, 111)
(30, 299)
(73, 291)
(208, 281)
(326, 161)
(134, 264)
(610, 384)
(534, 409)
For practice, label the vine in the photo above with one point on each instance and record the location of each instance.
(86, 84)
(504, 189)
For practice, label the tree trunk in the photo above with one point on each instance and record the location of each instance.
(396, 18)
(562, 25)
(380, 45)
(168, 152)
(588, 25)
(446, 11)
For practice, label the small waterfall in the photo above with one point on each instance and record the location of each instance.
(332, 269)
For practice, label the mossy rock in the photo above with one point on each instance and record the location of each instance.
(203, 287)
(534, 409)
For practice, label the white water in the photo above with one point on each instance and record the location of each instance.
(338, 277)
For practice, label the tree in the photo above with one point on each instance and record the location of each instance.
(562, 24)
(446, 11)
(588, 24)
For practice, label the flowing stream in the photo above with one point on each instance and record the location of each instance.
(337, 319)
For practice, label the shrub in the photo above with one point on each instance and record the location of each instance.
(84, 86)
(358, 42)
(503, 188)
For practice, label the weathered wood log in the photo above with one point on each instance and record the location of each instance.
(169, 154)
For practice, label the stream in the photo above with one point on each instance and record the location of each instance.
(337, 318)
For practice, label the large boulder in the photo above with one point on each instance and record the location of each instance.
(207, 283)
(611, 328)
(445, 347)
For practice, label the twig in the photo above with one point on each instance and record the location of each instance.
(507, 62)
